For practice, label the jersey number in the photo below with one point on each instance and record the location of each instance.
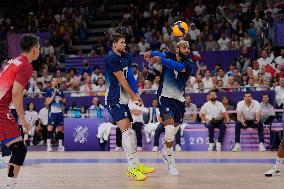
(176, 74)
(125, 73)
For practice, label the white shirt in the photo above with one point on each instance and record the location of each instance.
(137, 118)
(223, 43)
(224, 79)
(213, 110)
(208, 83)
(248, 112)
(100, 88)
(194, 33)
(256, 72)
(86, 90)
(258, 23)
(279, 95)
(279, 60)
(143, 47)
(263, 61)
(43, 116)
(199, 9)
(31, 117)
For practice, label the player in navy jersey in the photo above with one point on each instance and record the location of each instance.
(120, 86)
(176, 69)
(55, 99)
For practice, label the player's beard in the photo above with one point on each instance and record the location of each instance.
(213, 99)
(182, 56)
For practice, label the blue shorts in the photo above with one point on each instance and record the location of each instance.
(172, 107)
(55, 119)
(119, 112)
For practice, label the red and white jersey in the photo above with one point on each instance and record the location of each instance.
(18, 69)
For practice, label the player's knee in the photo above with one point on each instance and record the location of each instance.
(167, 119)
(19, 151)
(169, 133)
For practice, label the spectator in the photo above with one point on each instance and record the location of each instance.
(221, 76)
(143, 45)
(267, 111)
(190, 114)
(96, 73)
(228, 106)
(193, 32)
(86, 67)
(248, 115)
(246, 40)
(220, 86)
(213, 113)
(209, 44)
(243, 61)
(96, 104)
(264, 60)
(280, 59)
(100, 87)
(32, 117)
(46, 52)
(88, 89)
(279, 95)
(223, 41)
(207, 80)
(41, 129)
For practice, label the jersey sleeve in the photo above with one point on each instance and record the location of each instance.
(112, 64)
(48, 93)
(23, 74)
(171, 64)
(157, 53)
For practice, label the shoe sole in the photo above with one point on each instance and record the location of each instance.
(133, 178)
(272, 175)
(150, 172)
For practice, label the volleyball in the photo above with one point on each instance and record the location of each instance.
(179, 28)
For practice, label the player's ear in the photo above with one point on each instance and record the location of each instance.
(177, 50)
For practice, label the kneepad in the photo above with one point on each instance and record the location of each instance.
(19, 151)
(167, 119)
(169, 133)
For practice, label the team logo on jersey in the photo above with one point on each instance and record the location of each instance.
(81, 134)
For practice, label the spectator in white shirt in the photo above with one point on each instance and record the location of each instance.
(190, 113)
(89, 88)
(258, 23)
(264, 60)
(267, 114)
(100, 87)
(248, 115)
(222, 76)
(193, 32)
(280, 59)
(213, 113)
(279, 95)
(199, 9)
(41, 129)
(207, 80)
(223, 42)
(143, 45)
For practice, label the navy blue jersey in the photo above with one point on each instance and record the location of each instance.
(173, 82)
(114, 63)
(56, 105)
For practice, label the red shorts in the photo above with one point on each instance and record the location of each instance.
(8, 127)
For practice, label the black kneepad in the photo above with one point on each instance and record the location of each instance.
(19, 151)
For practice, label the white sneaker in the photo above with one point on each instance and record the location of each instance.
(272, 172)
(218, 147)
(139, 149)
(118, 149)
(155, 149)
(178, 148)
(237, 148)
(210, 147)
(261, 147)
(41, 143)
(61, 149)
(5, 159)
(8, 183)
(49, 149)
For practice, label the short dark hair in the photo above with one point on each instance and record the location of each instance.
(265, 95)
(212, 91)
(247, 93)
(28, 41)
(115, 38)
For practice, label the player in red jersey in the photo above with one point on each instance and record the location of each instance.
(14, 76)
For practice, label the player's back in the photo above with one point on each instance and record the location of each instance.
(18, 69)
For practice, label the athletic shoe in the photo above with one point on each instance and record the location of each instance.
(272, 172)
(155, 149)
(139, 149)
(261, 147)
(145, 170)
(8, 183)
(178, 148)
(118, 149)
(61, 149)
(210, 147)
(136, 174)
(172, 168)
(218, 146)
(49, 149)
(237, 148)
(5, 159)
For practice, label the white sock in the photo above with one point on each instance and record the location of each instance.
(60, 143)
(48, 142)
(278, 162)
(128, 145)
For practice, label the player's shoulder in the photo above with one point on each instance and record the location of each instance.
(170, 55)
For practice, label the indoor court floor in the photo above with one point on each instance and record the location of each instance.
(107, 170)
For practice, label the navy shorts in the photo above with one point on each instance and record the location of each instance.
(119, 112)
(55, 119)
(172, 107)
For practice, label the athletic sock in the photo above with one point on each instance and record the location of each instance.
(278, 162)
(129, 148)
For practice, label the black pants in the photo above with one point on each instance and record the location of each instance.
(160, 129)
(250, 124)
(279, 114)
(137, 127)
(269, 120)
(211, 128)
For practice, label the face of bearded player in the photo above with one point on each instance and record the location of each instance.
(183, 51)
